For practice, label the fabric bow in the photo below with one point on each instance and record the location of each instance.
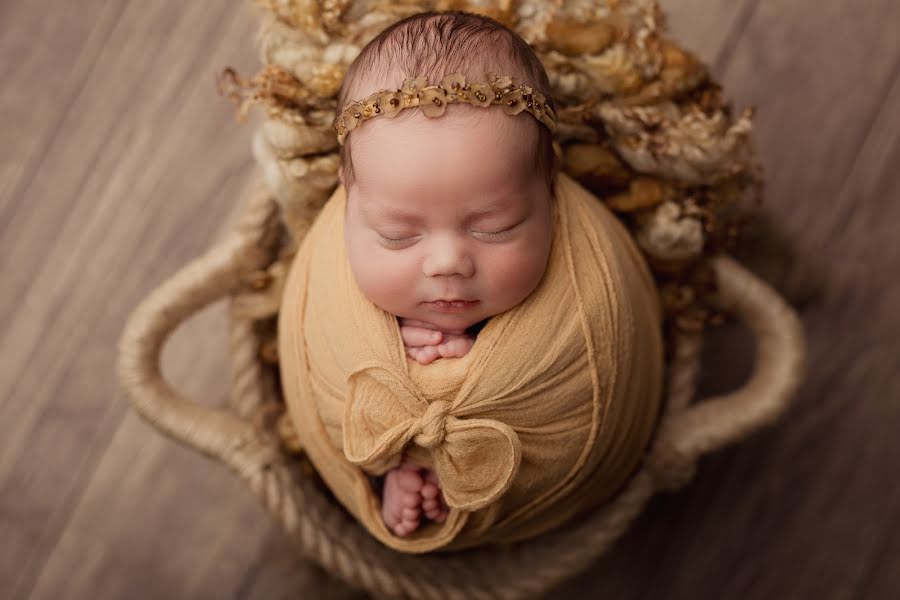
(475, 459)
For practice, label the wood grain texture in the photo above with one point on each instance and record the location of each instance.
(121, 163)
(70, 38)
(800, 510)
(124, 192)
(708, 28)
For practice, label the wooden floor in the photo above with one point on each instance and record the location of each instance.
(119, 163)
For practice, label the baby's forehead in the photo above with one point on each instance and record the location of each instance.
(463, 162)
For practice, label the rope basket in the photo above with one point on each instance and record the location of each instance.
(247, 269)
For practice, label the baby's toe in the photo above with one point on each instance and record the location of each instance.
(434, 510)
(409, 501)
(408, 521)
(429, 490)
(409, 480)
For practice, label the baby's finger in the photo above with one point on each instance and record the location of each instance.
(431, 353)
(424, 354)
(419, 336)
(416, 323)
(457, 347)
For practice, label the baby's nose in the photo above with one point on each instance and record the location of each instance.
(448, 257)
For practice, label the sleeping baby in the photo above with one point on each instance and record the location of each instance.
(462, 231)
(470, 341)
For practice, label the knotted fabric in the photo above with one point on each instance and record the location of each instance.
(547, 416)
(474, 458)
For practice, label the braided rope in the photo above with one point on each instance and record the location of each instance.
(246, 396)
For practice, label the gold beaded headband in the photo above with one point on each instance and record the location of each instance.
(509, 92)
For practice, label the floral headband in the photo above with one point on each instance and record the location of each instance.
(509, 92)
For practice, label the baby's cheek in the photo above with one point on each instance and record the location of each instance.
(513, 274)
(382, 279)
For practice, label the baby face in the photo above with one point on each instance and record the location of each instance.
(447, 208)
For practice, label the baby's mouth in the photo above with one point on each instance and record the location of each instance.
(452, 305)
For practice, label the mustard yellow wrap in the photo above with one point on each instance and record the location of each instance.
(546, 417)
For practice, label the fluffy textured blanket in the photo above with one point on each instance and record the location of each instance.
(546, 417)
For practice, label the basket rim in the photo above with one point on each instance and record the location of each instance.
(685, 432)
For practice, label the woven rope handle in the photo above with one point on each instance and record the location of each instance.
(209, 278)
(780, 359)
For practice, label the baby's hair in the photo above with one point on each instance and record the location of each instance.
(436, 43)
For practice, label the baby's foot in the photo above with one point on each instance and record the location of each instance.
(432, 499)
(401, 501)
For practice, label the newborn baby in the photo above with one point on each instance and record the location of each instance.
(448, 219)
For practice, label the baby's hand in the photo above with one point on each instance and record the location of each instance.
(425, 343)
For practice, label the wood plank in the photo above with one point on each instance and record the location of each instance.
(158, 519)
(882, 577)
(146, 122)
(708, 28)
(864, 508)
(819, 73)
(792, 513)
(280, 574)
(39, 85)
(115, 107)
